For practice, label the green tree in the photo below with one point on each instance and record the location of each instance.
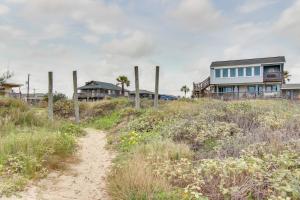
(123, 81)
(185, 89)
(5, 76)
(286, 76)
(57, 97)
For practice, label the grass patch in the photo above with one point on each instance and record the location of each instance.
(30, 144)
(108, 121)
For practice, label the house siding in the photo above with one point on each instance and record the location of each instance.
(237, 80)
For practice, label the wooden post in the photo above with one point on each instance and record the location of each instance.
(137, 88)
(50, 96)
(75, 97)
(156, 87)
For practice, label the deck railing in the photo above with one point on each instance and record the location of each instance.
(244, 95)
(273, 76)
(200, 86)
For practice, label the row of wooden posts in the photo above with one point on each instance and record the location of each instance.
(75, 95)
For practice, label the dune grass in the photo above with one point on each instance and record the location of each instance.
(29, 144)
(209, 149)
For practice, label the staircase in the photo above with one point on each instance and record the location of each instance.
(199, 88)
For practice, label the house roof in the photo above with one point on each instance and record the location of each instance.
(12, 85)
(142, 92)
(100, 85)
(279, 59)
(290, 87)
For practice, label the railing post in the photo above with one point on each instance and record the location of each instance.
(50, 96)
(75, 97)
(156, 87)
(137, 88)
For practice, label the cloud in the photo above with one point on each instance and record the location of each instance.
(253, 5)
(4, 9)
(288, 23)
(91, 39)
(136, 44)
(97, 16)
(197, 15)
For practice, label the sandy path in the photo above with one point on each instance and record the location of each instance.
(83, 180)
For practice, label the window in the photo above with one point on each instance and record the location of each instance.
(232, 72)
(218, 73)
(257, 71)
(251, 89)
(241, 71)
(271, 88)
(226, 89)
(225, 72)
(248, 71)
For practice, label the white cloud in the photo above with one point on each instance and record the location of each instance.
(98, 16)
(136, 44)
(253, 5)
(4, 9)
(91, 39)
(197, 15)
(289, 22)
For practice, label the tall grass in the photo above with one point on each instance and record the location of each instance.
(210, 149)
(30, 144)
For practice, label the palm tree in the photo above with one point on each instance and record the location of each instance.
(5, 76)
(123, 81)
(286, 76)
(185, 89)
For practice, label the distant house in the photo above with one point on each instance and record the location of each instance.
(247, 78)
(291, 91)
(96, 90)
(7, 90)
(145, 94)
(34, 98)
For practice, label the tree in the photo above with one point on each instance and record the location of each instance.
(56, 97)
(5, 76)
(185, 89)
(123, 81)
(286, 76)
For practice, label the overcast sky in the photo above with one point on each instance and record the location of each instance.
(103, 39)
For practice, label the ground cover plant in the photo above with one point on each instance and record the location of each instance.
(30, 145)
(208, 149)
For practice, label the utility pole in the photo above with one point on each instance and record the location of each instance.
(137, 88)
(28, 86)
(156, 87)
(75, 97)
(50, 96)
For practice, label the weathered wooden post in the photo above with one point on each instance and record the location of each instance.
(50, 96)
(156, 87)
(75, 97)
(137, 88)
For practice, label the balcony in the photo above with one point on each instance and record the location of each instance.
(273, 77)
(85, 95)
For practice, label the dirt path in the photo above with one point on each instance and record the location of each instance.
(83, 180)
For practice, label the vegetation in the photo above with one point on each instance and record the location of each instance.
(5, 76)
(29, 144)
(185, 90)
(123, 81)
(207, 149)
(286, 76)
(57, 97)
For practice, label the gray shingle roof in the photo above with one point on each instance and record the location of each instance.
(290, 87)
(279, 59)
(100, 85)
